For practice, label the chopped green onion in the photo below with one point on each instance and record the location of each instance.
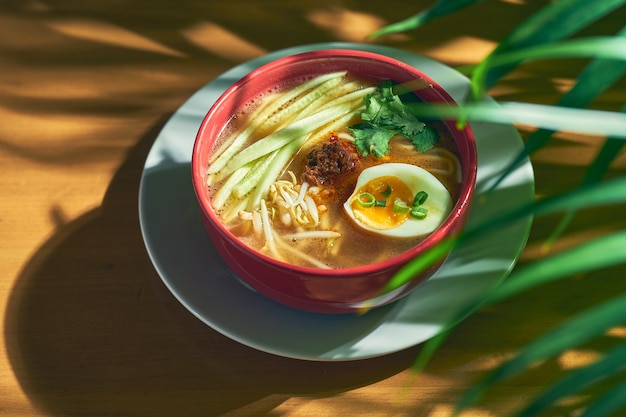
(387, 191)
(420, 198)
(400, 206)
(419, 213)
(381, 203)
(366, 200)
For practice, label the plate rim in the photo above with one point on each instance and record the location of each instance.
(220, 81)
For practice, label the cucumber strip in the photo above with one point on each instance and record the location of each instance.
(275, 109)
(266, 169)
(231, 211)
(282, 158)
(224, 192)
(322, 133)
(284, 136)
(344, 93)
(304, 106)
(253, 177)
(350, 97)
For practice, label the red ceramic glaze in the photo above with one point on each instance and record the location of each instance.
(319, 290)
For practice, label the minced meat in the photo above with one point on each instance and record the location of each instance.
(335, 158)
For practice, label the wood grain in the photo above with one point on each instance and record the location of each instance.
(88, 327)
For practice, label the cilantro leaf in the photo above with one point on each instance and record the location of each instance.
(385, 90)
(370, 138)
(386, 115)
(374, 110)
(425, 140)
(407, 124)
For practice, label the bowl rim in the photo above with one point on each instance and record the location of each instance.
(459, 209)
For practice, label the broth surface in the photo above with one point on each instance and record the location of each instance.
(355, 246)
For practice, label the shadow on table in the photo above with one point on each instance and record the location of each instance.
(92, 332)
(97, 333)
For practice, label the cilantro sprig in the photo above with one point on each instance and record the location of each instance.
(386, 115)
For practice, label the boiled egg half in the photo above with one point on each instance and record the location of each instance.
(398, 200)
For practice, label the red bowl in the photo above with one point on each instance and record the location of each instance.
(324, 290)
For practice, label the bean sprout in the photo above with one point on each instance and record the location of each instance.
(267, 230)
(303, 189)
(256, 222)
(346, 136)
(245, 215)
(291, 205)
(312, 208)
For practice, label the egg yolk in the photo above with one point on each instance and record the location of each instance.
(385, 189)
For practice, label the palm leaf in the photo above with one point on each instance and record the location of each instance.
(610, 364)
(598, 168)
(554, 22)
(584, 121)
(593, 195)
(542, 37)
(575, 331)
(608, 47)
(598, 76)
(440, 9)
(608, 153)
(608, 403)
(601, 252)
(429, 349)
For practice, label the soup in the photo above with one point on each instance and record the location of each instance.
(333, 172)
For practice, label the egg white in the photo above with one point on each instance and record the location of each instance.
(438, 203)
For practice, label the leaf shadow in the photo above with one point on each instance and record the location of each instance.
(91, 329)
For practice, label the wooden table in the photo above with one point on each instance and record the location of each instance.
(88, 327)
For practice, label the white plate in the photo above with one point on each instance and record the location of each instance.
(190, 267)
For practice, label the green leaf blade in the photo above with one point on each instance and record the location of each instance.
(584, 121)
(440, 9)
(598, 253)
(598, 76)
(603, 47)
(572, 333)
(612, 401)
(577, 380)
(599, 194)
(554, 22)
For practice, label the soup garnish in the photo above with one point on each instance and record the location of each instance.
(385, 116)
(333, 172)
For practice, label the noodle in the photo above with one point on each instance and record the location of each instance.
(290, 218)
